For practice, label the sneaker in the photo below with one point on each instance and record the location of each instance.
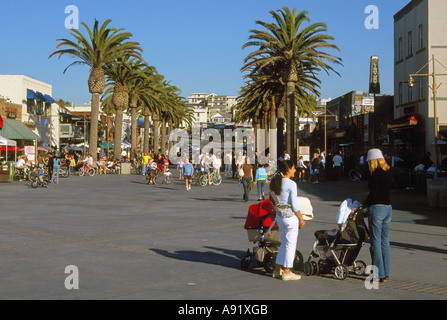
(277, 275)
(290, 276)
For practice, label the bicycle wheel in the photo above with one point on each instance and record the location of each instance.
(203, 181)
(81, 172)
(91, 172)
(354, 175)
(34, 184)
(216, 180)
(146, 178)
(159, 178)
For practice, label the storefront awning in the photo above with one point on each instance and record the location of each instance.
(49, 99)
(30, 94)
(406, 121)
(15, 130)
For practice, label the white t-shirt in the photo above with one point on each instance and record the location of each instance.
(337, 160)
(20, 163)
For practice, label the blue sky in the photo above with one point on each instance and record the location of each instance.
(196, 44)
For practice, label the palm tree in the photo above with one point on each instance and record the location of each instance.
(99, 47)
(298, 53)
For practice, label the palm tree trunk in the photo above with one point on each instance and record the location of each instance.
(93, 137)
(163, 136)
(133, 132)
(156, 136)
(280, 129)
(290, 134)
(118, 133)
(146, 133)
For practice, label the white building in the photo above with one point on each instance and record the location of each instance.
(213, 102)
(419, 33)
(39, 112)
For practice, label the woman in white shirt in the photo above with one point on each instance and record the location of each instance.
(289, 220)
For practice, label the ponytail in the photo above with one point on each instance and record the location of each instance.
(283, 168)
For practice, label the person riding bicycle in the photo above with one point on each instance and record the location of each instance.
(40, 173)
(153, 168)
(88, 161)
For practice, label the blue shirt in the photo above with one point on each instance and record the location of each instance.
(260, 174)
(289, 194)
(187, 169)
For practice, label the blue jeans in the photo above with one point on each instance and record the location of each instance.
(261, 184)
(144, 169)
(55, 170)
(379, 221)
(246, 183)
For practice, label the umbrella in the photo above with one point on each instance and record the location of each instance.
(75, 148)
(11, 148)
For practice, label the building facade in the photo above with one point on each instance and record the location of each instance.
(419, 35)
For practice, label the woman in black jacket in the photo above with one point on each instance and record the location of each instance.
(380, 211)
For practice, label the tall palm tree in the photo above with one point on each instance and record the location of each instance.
(100, 46)
(297, 51)
(121, 76)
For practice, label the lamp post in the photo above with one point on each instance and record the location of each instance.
(434, 87)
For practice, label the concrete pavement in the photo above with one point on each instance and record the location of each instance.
(129, 240)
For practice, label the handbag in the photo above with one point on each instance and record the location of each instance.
(241, 172)
(284, 211)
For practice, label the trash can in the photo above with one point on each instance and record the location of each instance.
(6, 172)
(125, 168)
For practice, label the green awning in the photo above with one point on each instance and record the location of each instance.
(15, 130)
(104, 145)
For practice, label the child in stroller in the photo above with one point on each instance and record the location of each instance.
(262, 230)
(337, 250)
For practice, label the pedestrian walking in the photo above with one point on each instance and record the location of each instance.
(337, 161)
(301, 170)
(260, 180)
(247, 178)
(380, 211)
(56, 168)
(284, 196)
(188, 173)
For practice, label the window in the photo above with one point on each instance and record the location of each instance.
(39, 108)
(400, 50)
(410, 94)
(421, 88)
(410, 44)
(400, 96)
(420, 37)
(30, 106)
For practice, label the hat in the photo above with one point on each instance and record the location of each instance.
(374, 154)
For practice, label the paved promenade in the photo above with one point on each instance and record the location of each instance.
(129, 240)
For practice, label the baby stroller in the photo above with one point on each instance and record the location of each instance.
(262, 230)
(337, 250)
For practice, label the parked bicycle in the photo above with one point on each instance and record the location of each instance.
(155, 177)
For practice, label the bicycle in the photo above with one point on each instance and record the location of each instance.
(156, 177)
(36, 183)
(85, 170)
(214, 177)
(355, 175)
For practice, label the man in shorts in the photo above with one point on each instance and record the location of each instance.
(188, 173)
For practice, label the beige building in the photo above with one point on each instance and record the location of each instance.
(419, 34)
(213, 103)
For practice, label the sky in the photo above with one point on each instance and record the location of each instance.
(195, 44)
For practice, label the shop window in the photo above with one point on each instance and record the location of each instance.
(39, 108)
(443, 132)
(30, 105)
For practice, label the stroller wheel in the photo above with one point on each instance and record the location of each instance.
(341, 272)
(298, 262)
(245, 263)
(308, 268)
(359, 267)
(270, 262)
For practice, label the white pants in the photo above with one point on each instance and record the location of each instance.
(288, 231)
